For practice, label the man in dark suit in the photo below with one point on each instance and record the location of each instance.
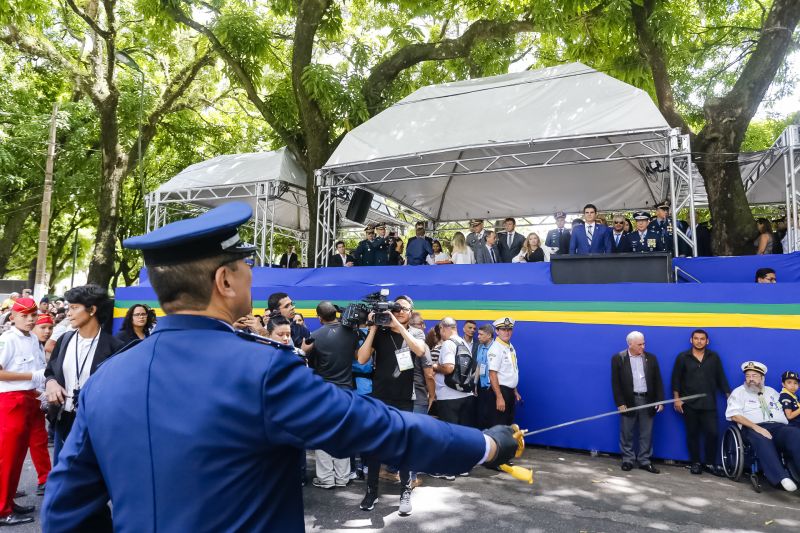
(592, 237)
(559, 237)
(341, 258)
(488, 253)
(289, 259)
(636, 381)
(619, 241)
(509, 241)
(704, 239)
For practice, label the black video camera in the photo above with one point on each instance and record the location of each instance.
(357, 313)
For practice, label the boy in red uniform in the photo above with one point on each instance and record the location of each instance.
(19, 353)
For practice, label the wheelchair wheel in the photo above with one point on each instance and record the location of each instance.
(755, 482)
(733, 453)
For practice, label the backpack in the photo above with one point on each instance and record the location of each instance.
(462, 378)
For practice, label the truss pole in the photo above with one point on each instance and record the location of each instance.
(672, 193)
(272, 192)
(790, 171)
(320, 223)
(692, 216)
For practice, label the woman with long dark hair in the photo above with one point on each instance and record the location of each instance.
(76, 356)
(139, 321)
(765, 241)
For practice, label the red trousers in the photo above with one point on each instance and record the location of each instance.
(38, 445)
(17, 413)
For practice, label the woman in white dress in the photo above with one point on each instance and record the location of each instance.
(439, 256)
(462, 254)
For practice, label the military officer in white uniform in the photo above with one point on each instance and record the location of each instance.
(504, 372)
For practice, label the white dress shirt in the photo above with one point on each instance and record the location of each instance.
(637, 369)
(18, 353)
(83, 350)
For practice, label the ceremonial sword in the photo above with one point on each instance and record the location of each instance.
(524, 474)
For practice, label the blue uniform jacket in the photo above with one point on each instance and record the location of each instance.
(198, 429)
(653, 242)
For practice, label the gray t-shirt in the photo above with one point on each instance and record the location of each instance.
(420, 387)
(333, 353)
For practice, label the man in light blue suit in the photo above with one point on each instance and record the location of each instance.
(591, 238)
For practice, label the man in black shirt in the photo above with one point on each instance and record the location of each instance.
(331, 357)
(393, 349)
(697, 371)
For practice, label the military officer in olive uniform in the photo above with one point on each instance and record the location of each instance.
(642, 239)
(202, 428)
(662, 225)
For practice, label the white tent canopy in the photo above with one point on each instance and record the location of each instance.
(509, 145)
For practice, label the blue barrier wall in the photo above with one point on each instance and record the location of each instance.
(567, 334)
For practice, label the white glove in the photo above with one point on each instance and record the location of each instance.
(38, 379)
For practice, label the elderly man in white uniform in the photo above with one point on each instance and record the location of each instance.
(757, 410)
(504, 372)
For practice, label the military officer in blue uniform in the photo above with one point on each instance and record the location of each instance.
(200, 428)
(642, 239)
(370, 251)
(559, 237)
(662, 224)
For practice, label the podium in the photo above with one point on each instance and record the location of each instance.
(653, 267)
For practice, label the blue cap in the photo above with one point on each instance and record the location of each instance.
(212, 233)
(641, 215)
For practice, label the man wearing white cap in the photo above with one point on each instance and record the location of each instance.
(758, 411)
(503, 371)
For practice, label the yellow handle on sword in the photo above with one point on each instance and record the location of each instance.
(518, 472)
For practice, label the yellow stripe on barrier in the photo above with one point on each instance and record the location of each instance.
(688, 320)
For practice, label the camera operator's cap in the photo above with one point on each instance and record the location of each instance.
(505, 322)
(559, 214)
(755, 366)
(790, 375)
(475, 222)
(641, 215)
(212, 233)
(663, 205)
(25, 306)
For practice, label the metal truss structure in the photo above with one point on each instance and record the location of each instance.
(785, 150)
(665, 153)
(270, 199)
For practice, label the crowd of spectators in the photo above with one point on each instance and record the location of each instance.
(591, 233)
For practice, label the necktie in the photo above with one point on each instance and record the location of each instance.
(616, 238)
(510, 239)
(589, 231)
(641, 237)
(491, 252)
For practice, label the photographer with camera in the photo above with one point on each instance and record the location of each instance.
(393, 346)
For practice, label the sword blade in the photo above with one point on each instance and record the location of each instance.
(525, 433)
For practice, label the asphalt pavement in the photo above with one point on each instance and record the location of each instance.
(572, 492)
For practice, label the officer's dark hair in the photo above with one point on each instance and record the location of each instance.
(587, 206)
(406, 298)
(273, 303)
(510, 219)
(326, 311)
(338, 243)
(761, 273)
(276, 321)
(91, 295)
(188, 286)
(470, 322)
(487, 328)
(700, 332)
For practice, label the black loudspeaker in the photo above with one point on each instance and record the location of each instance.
(359, 206)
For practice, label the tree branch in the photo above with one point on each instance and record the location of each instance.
(292, 142)
(88, 20)
(738, 107)
(656, 59)
(387, 70)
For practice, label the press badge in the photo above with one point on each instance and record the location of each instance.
(483, 369)
(404, 361)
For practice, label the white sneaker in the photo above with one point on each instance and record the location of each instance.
(788, 485)
(405, 503)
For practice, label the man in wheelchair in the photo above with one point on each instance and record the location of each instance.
(757, 410)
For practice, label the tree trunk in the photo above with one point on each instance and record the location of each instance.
(101, 268)
(11, 230)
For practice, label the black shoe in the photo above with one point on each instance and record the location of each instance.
(40, 489)
(696, 468)
(368, 503)
(719, 471)
(15, 520)
(20, 494)
(627, 467)
(650, 468)
(22, 509)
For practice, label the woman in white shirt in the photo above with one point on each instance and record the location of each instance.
(439, 256)
(462, 254)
